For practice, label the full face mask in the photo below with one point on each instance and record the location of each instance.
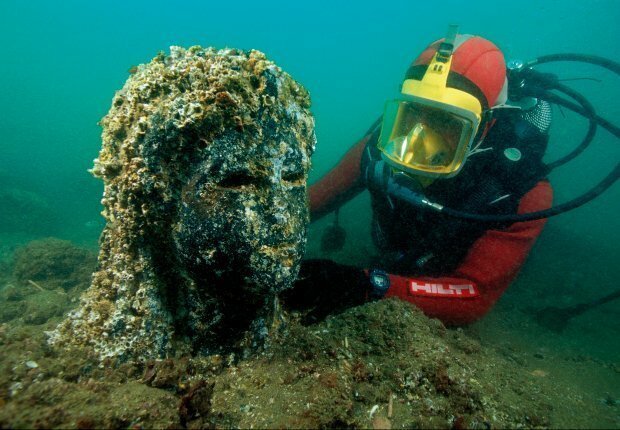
(428, 130)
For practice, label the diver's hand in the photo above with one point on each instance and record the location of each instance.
(324, 287)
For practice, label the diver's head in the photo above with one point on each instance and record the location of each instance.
(442, 111)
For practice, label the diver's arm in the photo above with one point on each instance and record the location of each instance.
(491, 264)
(325, 287)
(339, 185)
(344, 181)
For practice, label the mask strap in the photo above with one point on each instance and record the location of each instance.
(444, 52)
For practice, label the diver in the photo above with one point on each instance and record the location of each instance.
(459, 190)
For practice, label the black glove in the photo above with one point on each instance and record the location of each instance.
(325, 287)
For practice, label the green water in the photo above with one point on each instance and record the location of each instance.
(63, 61)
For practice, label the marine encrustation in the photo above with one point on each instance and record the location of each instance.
(204, 159)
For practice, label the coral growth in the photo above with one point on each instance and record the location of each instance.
(204, 159)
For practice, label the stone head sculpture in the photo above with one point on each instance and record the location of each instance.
(204, 159)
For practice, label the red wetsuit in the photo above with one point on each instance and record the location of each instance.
(490, 265)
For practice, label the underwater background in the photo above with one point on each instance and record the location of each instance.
(62, 62)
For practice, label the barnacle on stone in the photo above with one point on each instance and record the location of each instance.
(204, 159)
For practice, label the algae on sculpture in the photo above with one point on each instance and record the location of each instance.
(204, 159)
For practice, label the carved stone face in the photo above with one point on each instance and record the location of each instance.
(242, 221)
(204, 158)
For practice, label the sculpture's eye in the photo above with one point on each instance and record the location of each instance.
(295, 178)
(238, 180)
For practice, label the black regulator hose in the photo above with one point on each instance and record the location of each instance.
(550, 82)
(541, 89)
(607, 182)
(580, 58)
(406, 194)
(607, 125)
(588, 109)
(538, 85)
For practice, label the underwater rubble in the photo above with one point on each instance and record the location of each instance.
(55, 269)
(205, 155)
(58, 263)
(380, 365)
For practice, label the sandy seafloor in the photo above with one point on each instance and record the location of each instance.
(381, 365)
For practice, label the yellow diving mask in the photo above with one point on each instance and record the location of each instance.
(425, 137)
(429, 129)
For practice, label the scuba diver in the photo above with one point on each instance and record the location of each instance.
(458, 186)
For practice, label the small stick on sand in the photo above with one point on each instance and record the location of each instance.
(34, 284)
(390, 406)
(40, 288)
